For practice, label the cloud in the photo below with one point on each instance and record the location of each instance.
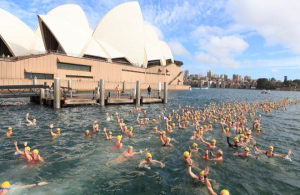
(276, 20)
(275, 64)
(178, 49)
(274, 70)
(216, 47)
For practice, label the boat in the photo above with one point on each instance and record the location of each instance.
(266, 92)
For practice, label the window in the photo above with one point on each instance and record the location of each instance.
(29, 75)
(78, 76)
(77, 67)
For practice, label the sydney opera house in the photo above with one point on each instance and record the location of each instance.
(121, 48)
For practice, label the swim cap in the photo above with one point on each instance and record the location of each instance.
(246, 137)
(27, 148)
(202, 173)
(35, 151)
(204, 126)
(110, 132)
(224, 192)
(153, 120)
(195, 145)
(58, 129)
(87, 131)
(187, 122)
(5, 184)
(148, 155)
(242, 135)
(130, 128)
(258, 129)
(236, 139)
(249, 132)
(227, 128)
(97, 125)
(173, 124)
(164, 132)
(118, 137)
(125, 127)
(271, 147)
(201, 127)
(247, 148)
(9, 128)
(213, 140)
(34, 119)
(194, 132)
(169, 139)
(169, 126)
(154, 127)
(130, 147)
(186, 154)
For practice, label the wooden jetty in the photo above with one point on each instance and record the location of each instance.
(57, 96)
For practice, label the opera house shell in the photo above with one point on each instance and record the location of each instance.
(121, 48)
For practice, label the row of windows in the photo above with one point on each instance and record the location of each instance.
(28, 75)
(144, 72)
(78, 76)
(77, 67)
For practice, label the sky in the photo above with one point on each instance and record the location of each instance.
(259, 38)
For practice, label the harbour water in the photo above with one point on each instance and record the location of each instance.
(75, 164)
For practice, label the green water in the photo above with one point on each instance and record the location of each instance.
(76, 165)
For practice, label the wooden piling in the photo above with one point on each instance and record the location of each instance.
(123, 87)
(138, 93)
(70, 86)
(42, 96)
(102, 93)
(56, 101)
(165, 92)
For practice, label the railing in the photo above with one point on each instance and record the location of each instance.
(16, 91)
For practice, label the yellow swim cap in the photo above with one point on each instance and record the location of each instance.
(169, 139)
(204, 126)
(153, 120)
(194, 144)
(213, 140)
(58, 129)
(130, 128)
(35, 151)
(173, 124)
(125, 127)
(194, 132)
(201, 127)
(164, 132)
(247, 148)
(187, 122)
(242, 135)
(118, 137)
(130, 147)
(87, 131)
(258, 129)
(154, 127)
(110, 132)
(5, 184)
(27, 148)
(148, 155)
(271, 147)
(202, 173)
(249, 132)
(97, 125)
(224, 192)
(227, 128)
(236, 139)
(9, 128)
(186, 154)
(34, 119)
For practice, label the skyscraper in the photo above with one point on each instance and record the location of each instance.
(186, 74)
(210, 74)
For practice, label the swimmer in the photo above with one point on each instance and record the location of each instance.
(148, 160)
(153, 121)
(124, 157)
(245, 153)
(57, 133)
(194, 135)
(19, 151)
(117, 143)
(198, 179)
(211, 145)
(87, 133)
(165, 142)
(140, 121)
(195, 148)
(257, 131)
(9, 132)
(155, 130)
(107, 136)
(219, 156)
(235, 143)
(129, 133)
(270, 153)
(187, 157)
(95, 126)
(5, 186)
(33, 122)
(208, 185)
(35, 155)
(107, 117)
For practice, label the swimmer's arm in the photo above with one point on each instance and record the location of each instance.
(142, 163)
(32, 185)
(26, 117)
(283, 155)
(161, 164)
(51, 133)
(256, 149)
(208, 185)
(17, 149)
(121, 128)
(201, 139)
(161, 139)
(191, 173)
(41, 159)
